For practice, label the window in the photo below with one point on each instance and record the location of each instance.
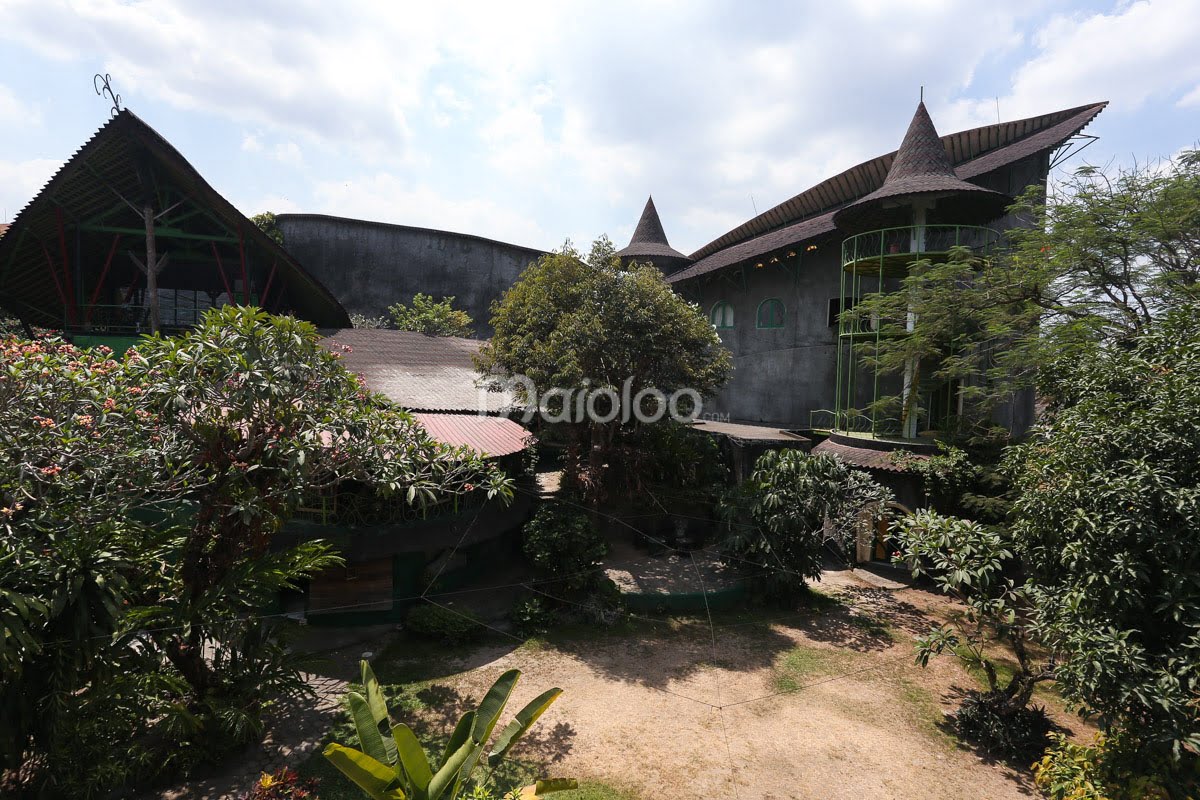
(770, 313)
(721, 315)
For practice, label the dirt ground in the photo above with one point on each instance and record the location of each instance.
(820, 704)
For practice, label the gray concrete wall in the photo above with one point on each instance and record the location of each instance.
(782, 374)
(371, 265)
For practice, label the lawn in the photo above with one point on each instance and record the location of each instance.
(824, 702)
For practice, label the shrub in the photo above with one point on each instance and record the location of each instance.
(564, 545)
(431, 317)
(793, 506)
(988, 720)
(283, 784)
(435, 622)
(533, 616)
(1103, 770)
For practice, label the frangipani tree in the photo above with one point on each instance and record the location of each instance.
(392, 765)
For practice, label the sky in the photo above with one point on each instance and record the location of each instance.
(533, 123)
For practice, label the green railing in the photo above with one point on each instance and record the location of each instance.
(899, 246)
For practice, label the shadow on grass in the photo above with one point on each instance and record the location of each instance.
(655, 652)
(1015, 768)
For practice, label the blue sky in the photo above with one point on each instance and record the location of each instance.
(533, 123)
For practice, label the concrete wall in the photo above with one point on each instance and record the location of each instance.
(371, 265)
(779, 374)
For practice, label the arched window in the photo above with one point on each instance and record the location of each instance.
(721, 315)
(770, 313)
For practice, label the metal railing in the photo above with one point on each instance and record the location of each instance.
(917, 241)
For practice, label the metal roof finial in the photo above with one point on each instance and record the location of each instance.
(922, 94)
(103, 86)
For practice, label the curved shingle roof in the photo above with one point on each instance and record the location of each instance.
(809, 215)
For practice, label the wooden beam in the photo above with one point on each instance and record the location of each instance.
(152, 271)
(262, 301)
(221, 272)
(245, 277)
(160, 232)
(68, 284)
(54, 274)
(112, 251)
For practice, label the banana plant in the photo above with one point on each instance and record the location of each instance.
(392, 765)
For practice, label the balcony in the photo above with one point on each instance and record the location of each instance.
(889, 251)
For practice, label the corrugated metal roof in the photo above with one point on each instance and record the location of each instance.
(489, 436)
(415, 371)
(867, 457)
(741, 244)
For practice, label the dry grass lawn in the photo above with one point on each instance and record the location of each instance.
(824, 703)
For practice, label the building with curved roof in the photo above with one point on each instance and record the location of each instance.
(773, 286)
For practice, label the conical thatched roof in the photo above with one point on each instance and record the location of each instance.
(923, 169)
(649, 240)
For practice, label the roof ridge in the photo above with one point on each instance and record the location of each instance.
(829, 195)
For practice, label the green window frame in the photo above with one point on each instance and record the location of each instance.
(770, 313)
(721, 315)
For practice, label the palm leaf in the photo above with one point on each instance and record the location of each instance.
(412, 756)
(521, 724)
(378, 780)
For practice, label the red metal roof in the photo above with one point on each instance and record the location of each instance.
(489, 436)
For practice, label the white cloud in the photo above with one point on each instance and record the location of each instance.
(20, 181)
(15, 112)
(385, 197)
(1138, 53)
(461, 114)
(288, 153)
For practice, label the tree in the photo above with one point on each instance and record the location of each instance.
(268, 224)
(1097, 259)
(614, 338)
(1105, 525)
(266, 415)
(432, 318)
(80, 449)
(792, 507)
(138, 502)
(392, 765)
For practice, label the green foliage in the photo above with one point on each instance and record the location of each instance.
(138, 500)
(267, 223)
(1098, 259)
(573, 323)
(791, 507)
(369, 323)
(433, 318)
(533, 616)
(283, 784)
(971, 562)
(1101, 771)
(987, 720)
(392, 765)
(430, 621)
(668, 456)
(1106, 527)
(564, 546)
